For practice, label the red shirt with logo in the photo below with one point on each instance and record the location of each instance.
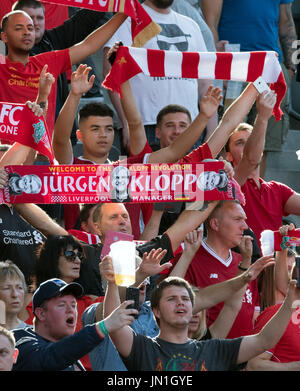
(207, 268)
(19, 83)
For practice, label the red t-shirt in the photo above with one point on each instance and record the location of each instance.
(19, 83)
(265, 205)
(206, 269)
(287, 348)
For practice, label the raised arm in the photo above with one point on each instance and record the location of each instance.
(223, 324)
(80, 84)
(152, 227)
(183, 143)
(95, 41)
(19, 153)
(122, 337)
(282, 276)
(192, 242)
(116, 102)
(254, 345)
(254, 146)
(231, 119)
(187, 221)
(45, 84)
(263, 363)
(16, 154)
(217, 293)
(39, 219)
(137, 134)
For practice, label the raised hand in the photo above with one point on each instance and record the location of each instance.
(210, 102)
(265, 103)
(35, 108)
(106, 269)
(150, 265)
(246, 249)
(80, 81)
(258, 266)
(45, 83)
(111, 54)
(284, 229)
(120, 317)
(192, 242)
(227, 167)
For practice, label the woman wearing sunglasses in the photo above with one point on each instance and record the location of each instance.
(61, 257)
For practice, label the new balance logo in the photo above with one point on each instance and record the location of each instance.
(213, 275)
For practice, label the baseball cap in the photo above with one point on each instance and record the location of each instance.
(52, 288)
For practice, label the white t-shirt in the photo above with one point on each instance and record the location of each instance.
(179, 33)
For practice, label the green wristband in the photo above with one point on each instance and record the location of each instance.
(103, 328)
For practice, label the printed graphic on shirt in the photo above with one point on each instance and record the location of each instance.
(247, 297)
(181, 362)
(172, 37)
(22, 238)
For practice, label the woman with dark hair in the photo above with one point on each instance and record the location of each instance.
(61, 257)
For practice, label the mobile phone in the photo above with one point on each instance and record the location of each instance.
(111, 237)
(113, 56)
(296, 271)
(261, 85)
(133, 294)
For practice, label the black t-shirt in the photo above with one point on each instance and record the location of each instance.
(155, 354)
(19, 240)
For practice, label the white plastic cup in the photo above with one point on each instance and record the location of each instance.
(267, 242)
(123, 255)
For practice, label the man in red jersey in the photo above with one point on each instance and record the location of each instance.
(19, 76)
(266, 202)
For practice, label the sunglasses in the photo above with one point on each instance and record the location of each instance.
(71, 255)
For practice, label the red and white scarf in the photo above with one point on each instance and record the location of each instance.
(142, 26)
(237, 66)
(19, 124)
(85, 236)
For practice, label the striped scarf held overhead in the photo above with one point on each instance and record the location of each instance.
(142, 26)
(236, 66)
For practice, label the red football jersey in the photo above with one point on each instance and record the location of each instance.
(287, 348)
(208, 268)
(20, 83)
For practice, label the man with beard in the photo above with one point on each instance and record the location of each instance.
(179, 33)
